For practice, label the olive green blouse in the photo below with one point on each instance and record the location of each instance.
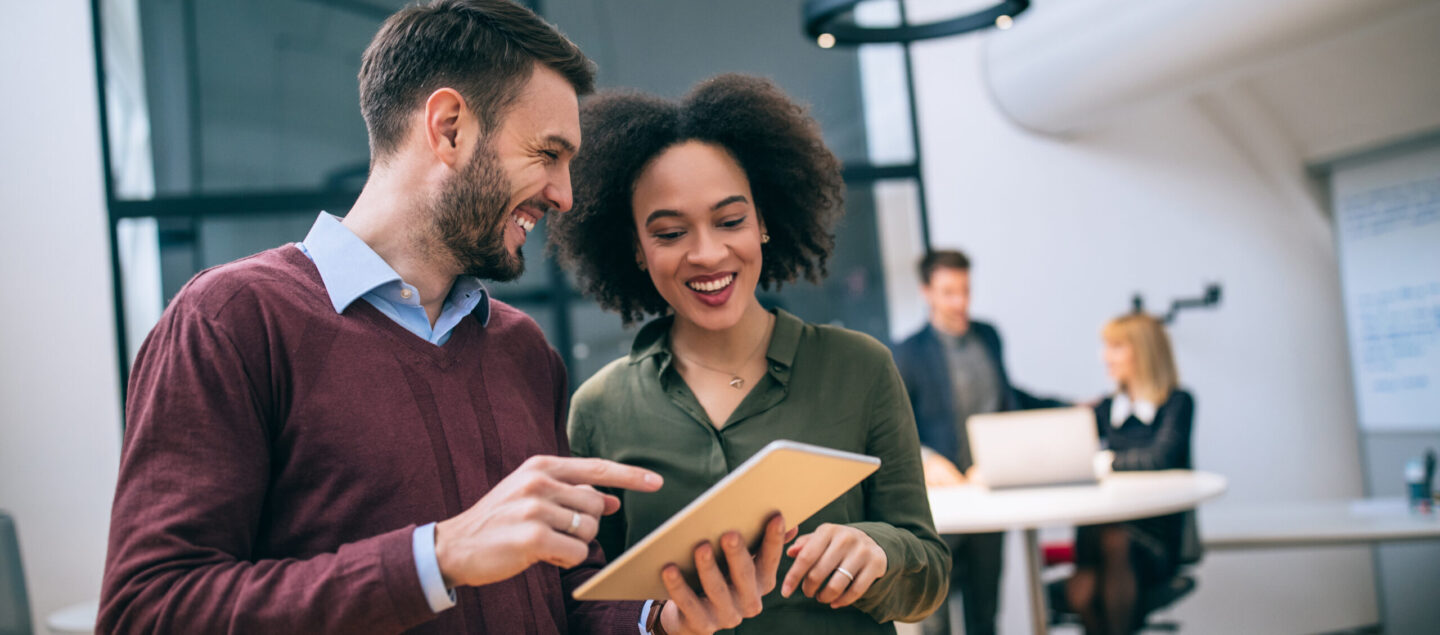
(825, 386)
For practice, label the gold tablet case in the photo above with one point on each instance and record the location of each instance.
(788, 477)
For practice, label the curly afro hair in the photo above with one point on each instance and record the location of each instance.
(794, 178)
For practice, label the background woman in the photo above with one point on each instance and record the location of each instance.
(682, 211)
(1146, 424)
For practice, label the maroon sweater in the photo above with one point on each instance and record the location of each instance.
(278, 456)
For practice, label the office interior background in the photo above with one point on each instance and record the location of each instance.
(1096, 151)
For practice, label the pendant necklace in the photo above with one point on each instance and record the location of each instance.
(736, 381)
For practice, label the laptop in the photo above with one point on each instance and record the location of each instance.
(1053, 446)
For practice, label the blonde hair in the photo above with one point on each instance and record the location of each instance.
(1155, 374)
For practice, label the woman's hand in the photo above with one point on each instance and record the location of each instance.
(725, 602)
(1104, 463)
(835, 565)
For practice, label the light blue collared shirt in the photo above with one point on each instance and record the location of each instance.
(352, 271)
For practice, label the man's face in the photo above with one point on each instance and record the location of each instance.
(521, 171)
(949, 296)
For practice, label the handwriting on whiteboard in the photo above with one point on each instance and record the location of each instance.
(1386, 210)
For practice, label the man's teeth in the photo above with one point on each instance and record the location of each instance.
(713, 285)
(524, 223)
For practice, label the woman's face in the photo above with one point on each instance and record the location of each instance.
(1119, 361)
(699, 235)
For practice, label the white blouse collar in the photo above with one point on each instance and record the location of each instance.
(1121, 407)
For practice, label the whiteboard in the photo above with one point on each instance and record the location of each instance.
(1387, 215)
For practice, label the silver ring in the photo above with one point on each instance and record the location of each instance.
(574, 523)
(842, 571)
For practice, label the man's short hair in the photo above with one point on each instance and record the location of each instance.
(485, 49)
(948, 258)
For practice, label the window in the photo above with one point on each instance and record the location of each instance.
(231, 124)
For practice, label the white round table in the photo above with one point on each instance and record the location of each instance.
(971, 509)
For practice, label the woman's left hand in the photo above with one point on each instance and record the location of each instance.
(831, 553)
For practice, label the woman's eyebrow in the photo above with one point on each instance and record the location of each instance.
(661, 213)
(728, 200)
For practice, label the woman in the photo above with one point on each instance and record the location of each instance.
(683, 210)
(1146, 424)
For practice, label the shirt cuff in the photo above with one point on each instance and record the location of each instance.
(645, 617)
(428, 567)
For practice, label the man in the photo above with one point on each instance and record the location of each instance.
(300, 419)
(954, 368)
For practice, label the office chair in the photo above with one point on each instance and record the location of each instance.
(14, 601)
(1152, 599)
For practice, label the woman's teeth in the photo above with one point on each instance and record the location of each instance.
(524, 223)
(713, 285)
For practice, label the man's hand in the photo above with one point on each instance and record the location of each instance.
(940, 472)
(835, 565)
(724, 605)
(544, 511)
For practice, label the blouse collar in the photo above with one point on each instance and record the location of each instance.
(1122, 407)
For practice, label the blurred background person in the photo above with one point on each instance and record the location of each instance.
(954, 367)
(1146, 425)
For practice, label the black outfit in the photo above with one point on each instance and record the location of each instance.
(1162, 444)
(922, 360)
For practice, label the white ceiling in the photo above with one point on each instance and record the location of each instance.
(1376, 84)
(1334, 77)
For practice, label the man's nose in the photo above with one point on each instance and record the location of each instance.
(558, 192)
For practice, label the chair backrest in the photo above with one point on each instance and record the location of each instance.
(1191, 549)
(14, 601)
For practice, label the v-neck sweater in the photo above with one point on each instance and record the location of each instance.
(278, 456)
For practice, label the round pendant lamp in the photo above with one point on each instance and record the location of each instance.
(832, 22)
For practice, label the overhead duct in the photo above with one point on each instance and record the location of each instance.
(1067, 66)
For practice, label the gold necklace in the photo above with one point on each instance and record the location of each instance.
(736, 381)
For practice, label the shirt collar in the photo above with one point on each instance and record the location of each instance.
(349, 268)
(460, 292)
(653, 340)
(1121, 408)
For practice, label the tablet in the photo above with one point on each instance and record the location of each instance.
(786, 477)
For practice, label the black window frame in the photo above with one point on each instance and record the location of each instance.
(558, 295)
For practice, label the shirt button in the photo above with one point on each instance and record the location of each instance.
(405, 293)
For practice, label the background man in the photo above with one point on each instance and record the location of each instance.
(954, 368)
(300, 419)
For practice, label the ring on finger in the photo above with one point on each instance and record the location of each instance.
(574, 523)
(842, 571)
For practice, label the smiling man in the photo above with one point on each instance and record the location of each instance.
(347, 435)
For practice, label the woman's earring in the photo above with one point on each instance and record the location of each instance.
(640, 264)
(764, 238)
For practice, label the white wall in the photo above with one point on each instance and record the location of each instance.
(59, 397)
(1063, 231)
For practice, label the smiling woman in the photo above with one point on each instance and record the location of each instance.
(684, 210)
(795, 181)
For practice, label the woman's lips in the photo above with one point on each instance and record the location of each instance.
(712, 290)
(711, 284)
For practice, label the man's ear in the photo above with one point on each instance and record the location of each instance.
(445, 125)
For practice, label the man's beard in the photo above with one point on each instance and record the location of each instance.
(471, 211)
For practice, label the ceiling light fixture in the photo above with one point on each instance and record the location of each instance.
(836, 18)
